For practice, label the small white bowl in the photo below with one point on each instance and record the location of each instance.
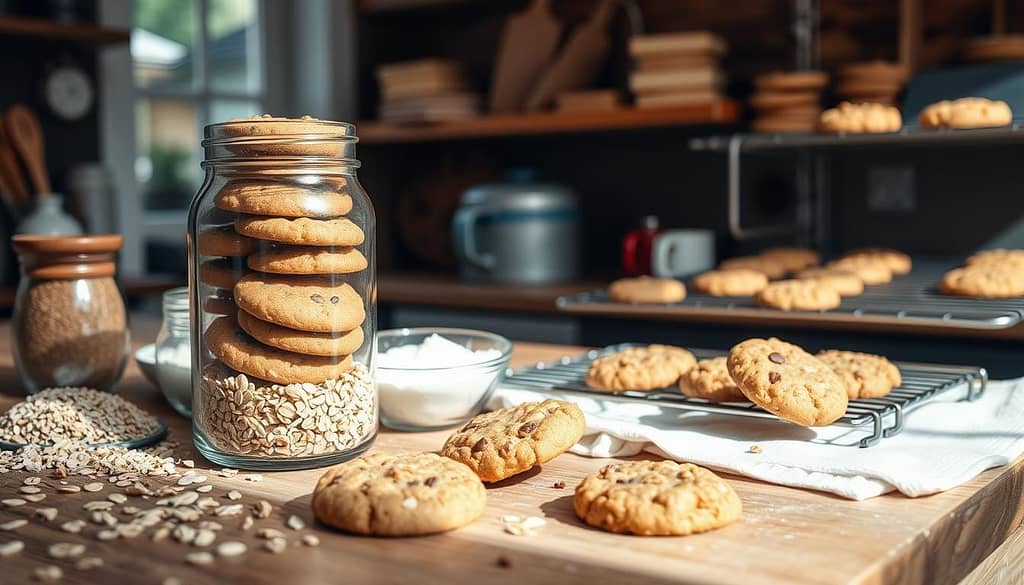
(146, 358)
(428, 398)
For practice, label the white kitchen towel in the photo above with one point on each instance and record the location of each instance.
(944, 443)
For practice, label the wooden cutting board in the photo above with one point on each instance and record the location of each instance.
(578, 62)
(529, 41)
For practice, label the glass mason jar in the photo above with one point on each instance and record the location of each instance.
(174, 352)
(283, 296)
(69, 326)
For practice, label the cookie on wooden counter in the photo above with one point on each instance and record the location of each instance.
(656, 498)
(284, 199)
(240, 352)
(846, 283)
(871, 270)
(502, 443)
(399, 495)
(984, 281)
(971, 112)
(865, 375)
(787, 381)
(301, 231)
(640, 368)
(898, 262)
(224, 241)
(645, 289)
(770, 267)
(710, 380)
(730, 283)
(308, 260)
(306, 303)
(305, 342)
(799, 295)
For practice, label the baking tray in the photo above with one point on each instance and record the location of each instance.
(879, 417)
(910, 299)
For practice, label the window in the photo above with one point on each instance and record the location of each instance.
(194, 62)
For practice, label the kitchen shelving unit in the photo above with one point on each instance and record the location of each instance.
(57, 31)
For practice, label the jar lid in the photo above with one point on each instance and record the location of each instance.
(67, 257)
(269, 136)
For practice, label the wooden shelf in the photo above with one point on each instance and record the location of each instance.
(724, 112)
(48, 29)
(450, 292)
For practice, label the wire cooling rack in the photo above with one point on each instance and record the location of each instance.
(881, 417)
(909, 299)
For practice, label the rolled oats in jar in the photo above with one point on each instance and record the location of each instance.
(283, 295)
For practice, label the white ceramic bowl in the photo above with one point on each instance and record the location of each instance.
(429, 397)
(146, 358)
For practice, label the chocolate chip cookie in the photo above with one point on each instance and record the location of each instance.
(971, 112)
(871, 270)
(240, 352)
(770, 267)
(710, 379)
(798, 295)
(787, 381)
(399, 495)
(898, 262)
(284, 199)
(730, 283)
(224, 242)
(846, 283)
(792, 258)
(645, 289)
(656, 498)
(865, 375)
(306, 303)
(308, 260)
(301, 231)
(640, 368)
(984, 281)
(500, 444)
(305, 342)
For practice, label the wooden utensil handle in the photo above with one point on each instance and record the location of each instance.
(27, 136)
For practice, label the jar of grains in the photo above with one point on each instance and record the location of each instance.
(69, 326)
(283, 296)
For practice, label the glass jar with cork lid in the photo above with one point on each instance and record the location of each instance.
(283, 296)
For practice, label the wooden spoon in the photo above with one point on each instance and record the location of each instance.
(529, 41)
(27, 136)
(9, 170)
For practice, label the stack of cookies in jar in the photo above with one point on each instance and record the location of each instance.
(284, 283)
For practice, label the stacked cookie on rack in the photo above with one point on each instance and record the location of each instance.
(787, 101)
(676, 69)
(425, 90)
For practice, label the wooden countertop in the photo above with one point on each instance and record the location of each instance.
(786, 536)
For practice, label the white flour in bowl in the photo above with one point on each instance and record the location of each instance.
(413, 398)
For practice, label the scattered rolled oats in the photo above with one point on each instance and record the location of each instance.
(262, 509)
(204, 537)
(34, 498)
(117, 498)
(204, 488)
(69, 489)
(48, 574)
(13, 524)
(29, 489)
(754, 449)
(63, 550)
(228, 510)
(269, 533)
(11, 548)
(276, 545)
(310, 540)
(93, 487)
(97, 505)
(88, 563)
(48, 514)
(13, 502)
(247, 523)
(234, 495)
(199, 558)
(296, 523)
(32, 480)
(231, 548)
(73, 526)
(519, 526)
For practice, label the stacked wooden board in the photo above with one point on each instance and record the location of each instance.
(676, 69)
(425, 90)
